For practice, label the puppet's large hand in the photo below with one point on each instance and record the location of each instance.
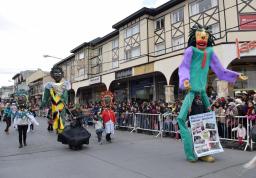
(242, 77)
(186, 84)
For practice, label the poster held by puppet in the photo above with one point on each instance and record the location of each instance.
(205, 134)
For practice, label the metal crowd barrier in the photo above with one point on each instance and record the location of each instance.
(125, 120)
(249, 128)
(140, 121)
(167, 123)
(170, 124)
(227, 128)
(148, 122)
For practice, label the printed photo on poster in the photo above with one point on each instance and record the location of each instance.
(210, 126)
(199, 140)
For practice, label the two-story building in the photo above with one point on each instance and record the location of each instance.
(20, 80)
(6, 93)
(36, 82)
(139, 60)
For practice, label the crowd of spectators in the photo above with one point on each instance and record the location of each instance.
(226, 109)
(241, 105)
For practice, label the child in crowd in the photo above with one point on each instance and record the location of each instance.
(98, 127)
(240, 133)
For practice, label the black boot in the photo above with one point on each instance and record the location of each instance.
(108, 137)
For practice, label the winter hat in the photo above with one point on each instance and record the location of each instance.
(231, 104)
(238, 101)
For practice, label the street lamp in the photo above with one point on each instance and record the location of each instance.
(46, 55)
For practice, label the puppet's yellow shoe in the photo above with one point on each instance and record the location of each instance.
(209, 159)
(192, 160)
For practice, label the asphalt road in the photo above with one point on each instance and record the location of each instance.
(128, 156)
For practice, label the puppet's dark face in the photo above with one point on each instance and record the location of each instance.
(57, 75)
(201, 39)
(21, 100)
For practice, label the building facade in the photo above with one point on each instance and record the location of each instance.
(36, 82)
(6, 93)
(139, 60)
(20, 80)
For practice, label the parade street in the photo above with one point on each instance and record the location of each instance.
(129, 155)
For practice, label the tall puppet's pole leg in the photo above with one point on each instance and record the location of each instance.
(205, 100)
(184, 132)
(206, 103)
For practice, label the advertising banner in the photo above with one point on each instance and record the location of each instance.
(205, 134)
(247, 22)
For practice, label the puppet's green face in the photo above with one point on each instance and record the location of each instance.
(201, 39)
(107, 101)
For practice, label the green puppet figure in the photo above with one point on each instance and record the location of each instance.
(193, 73)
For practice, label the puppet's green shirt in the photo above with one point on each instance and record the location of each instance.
(199, 75)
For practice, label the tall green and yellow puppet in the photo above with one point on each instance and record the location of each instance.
(193, 72)
(56, 95)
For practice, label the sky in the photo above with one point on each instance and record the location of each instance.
(30, 29)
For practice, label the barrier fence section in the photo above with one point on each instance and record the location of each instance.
(170, 124)
(252, 123)
(148, 122)
(234, 128)
(140, 121)
(230, 128)
(125, 120)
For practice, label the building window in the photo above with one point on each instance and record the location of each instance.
(96, 69)
(115, 64)
(178, 42)
(94, 62)
(100, 51)
(81, 55)
(80, 72)
(159, 24)
(115, 43)
(132, 30)
(177, 15)
(96, 65)
(215, 30)
(132, 53)
(115, 49)
(115, 55)
(97, 52)
(160, 48)
(201, 6)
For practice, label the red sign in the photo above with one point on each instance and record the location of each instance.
(244, 47)
(248, 22)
